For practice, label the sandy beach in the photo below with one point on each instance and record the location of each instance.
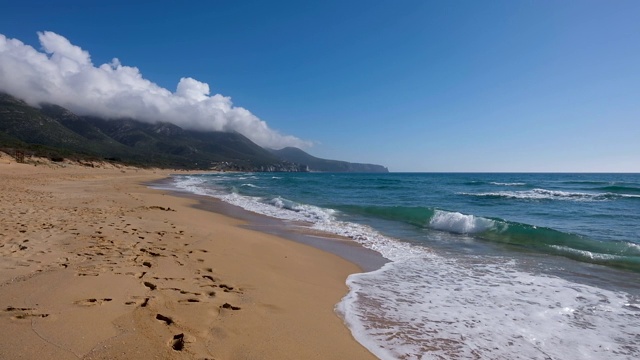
(95, 265)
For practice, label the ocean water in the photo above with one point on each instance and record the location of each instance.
(481, 266)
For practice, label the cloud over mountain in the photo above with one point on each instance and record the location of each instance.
(63, 74)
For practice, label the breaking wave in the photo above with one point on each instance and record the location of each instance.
(612, 253)
(508, 184)
(543, 194)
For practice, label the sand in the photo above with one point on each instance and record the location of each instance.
(95, 265)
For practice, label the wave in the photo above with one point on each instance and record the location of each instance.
(543, 194)
(586, 182)
(623, 190)
(546, 240)
(283, 203)
(496, 183)
(508, 184)
(459, 223)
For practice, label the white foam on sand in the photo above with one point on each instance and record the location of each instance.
(425, 307)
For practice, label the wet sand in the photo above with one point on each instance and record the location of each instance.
(95, 265)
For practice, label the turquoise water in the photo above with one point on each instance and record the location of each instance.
(481, 265)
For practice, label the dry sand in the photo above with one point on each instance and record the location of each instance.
(94, 265)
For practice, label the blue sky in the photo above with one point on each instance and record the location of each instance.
(413, 85)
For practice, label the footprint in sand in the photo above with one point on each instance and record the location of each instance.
(226, 288)
(152, 253)
(229, 306)
(189, 301)
(167, 320)
(23, 313)
(183, 292)
(92, 301)
(177, 343)
(139, 275)
(140, 301)
(208, 277)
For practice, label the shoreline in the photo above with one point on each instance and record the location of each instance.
(96, 265)
(366, 259)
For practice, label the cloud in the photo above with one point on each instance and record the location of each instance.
(63, 74)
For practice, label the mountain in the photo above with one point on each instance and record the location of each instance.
(55, 132)
(298, 156)
(25, 124)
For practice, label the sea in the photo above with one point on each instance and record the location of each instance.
(476, 265)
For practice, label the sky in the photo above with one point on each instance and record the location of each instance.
(415, 85)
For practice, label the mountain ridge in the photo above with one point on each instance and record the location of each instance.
(55, 131)
(296, 155)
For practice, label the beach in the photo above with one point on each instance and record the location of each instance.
(96, 265)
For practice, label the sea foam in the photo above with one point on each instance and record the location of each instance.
(429, 306)
(459, 223)
(544, 194)
(507, 184)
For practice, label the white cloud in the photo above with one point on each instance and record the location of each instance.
(64, 75)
